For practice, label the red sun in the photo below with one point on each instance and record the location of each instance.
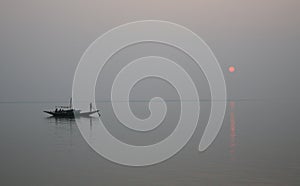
(231, 69)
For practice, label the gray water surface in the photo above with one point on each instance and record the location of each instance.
(257, 145)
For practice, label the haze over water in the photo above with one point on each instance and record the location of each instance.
(258, 144)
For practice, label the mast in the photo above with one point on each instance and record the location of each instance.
(71, 103)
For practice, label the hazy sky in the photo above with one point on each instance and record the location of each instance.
(41, 42)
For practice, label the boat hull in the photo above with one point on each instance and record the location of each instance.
(71, 113)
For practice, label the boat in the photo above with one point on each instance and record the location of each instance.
(69, 112)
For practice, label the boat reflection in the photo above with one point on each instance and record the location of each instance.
(66, 128)
(68, 123)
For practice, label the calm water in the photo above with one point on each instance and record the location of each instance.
(257, 145)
